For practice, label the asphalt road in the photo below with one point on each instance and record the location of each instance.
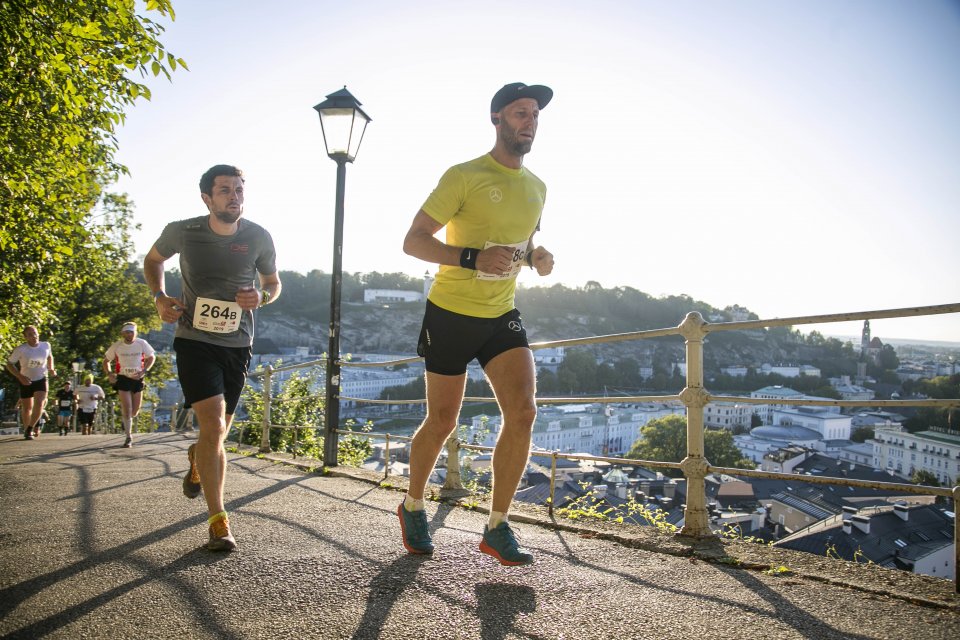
(97, 541)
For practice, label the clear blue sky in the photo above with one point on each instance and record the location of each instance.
(796, 158)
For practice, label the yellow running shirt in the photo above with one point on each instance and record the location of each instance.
(483, 203)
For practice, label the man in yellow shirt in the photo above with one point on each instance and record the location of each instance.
(491, 208)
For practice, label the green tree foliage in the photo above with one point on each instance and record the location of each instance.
(298, 404)
(294, 404)
(104, 290)
(614, 310)
(65, 85)
(861, 434)
(397, 281)
(924, 477)
(665, 439)
(887, 358)
(940, 388)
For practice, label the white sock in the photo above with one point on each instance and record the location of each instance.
(412, 504)
(496, 517)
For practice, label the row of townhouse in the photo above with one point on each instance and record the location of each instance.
(594, 429)
(909, 370)
(936, 451)
(784, 370)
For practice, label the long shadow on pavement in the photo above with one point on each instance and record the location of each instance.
(202, 619)
(499, 604)
(801, 620)
(11, 597)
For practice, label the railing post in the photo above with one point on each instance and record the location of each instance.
(386, 457)
(453, 479)
(265, 425)
(695, 522)
(173, 417)
(553, 480)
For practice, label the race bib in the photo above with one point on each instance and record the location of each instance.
(517, 262)
(34, 363)
(216, 316)
(129, 371)
(65, 404)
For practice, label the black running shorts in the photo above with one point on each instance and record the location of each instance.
(128, 384)
(207, 370)
(27, 390)
(86, 417)
(449, 341)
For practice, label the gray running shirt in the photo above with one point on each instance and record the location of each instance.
(214, 266)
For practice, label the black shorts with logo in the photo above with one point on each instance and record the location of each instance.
(86, 417)
(35, 386)
(207, 370)
(449, 341)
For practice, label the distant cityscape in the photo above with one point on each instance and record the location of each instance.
(892, 529)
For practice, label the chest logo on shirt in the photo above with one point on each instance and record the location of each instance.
(239, 248)
(496, 195)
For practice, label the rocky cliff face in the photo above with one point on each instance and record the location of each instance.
(363, 329)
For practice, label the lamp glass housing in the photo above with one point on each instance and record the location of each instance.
(343, 123)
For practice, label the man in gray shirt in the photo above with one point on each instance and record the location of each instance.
(222, 259)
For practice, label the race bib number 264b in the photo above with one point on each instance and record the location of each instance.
(216, 316)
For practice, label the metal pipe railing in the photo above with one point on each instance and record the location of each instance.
(694, 396)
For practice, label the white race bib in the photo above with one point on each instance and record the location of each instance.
(216, 316)
(129, 371)
(517, 262)
(33, 363)
(65, 404)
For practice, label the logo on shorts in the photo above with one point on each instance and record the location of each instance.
(496, 195)
(514, 325)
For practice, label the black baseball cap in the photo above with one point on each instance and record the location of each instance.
(516, 90)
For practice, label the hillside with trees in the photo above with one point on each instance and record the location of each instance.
(299, 318)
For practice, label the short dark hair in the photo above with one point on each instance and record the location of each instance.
(217, 170)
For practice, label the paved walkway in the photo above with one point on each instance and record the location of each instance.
(97, 541)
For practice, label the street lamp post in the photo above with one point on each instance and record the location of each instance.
(343, 123)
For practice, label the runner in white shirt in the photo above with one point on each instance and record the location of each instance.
(127, 362)
(35, 359)
(88, 397)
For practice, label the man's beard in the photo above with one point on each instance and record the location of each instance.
(226, 217)
(513, 143)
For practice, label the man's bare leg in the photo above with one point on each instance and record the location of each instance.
(444, 398)
(211, 462)
(39, 403)
(513, 378)
(26, 412)
(209, 456)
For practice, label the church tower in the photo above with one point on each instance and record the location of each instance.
(865, 338)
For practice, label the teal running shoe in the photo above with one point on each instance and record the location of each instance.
(416, 534)
(501, 543)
